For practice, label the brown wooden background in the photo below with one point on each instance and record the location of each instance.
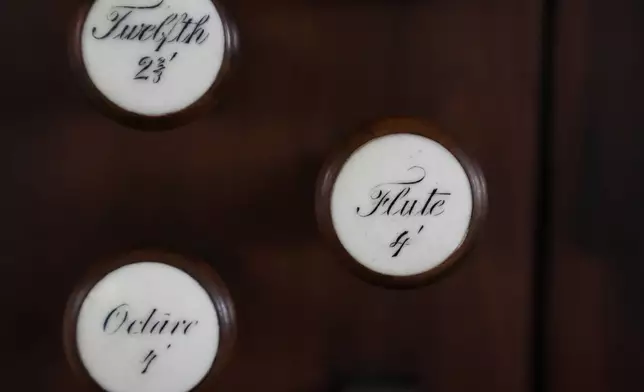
(236, 188)
(593, 285)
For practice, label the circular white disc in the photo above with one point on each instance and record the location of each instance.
(401, 204)
(153, 57)
(147, 327)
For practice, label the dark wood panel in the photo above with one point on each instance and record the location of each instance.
(236, 188)
(595, 324)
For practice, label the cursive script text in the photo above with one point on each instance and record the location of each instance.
(153, 323)
(393, 198)
(173, 28)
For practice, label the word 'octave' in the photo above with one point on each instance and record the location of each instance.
(392, 199)
(396, 202)
(118, 319)
(173, 28)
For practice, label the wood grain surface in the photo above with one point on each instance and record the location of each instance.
(594, 319)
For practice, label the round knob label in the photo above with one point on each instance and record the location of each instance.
(147, 327)
(153, 57)
(401, 204)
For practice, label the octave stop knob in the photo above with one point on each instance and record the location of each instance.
(149, 321)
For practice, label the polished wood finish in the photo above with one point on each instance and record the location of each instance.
(167, 121)
(336, 161)
(197, 269)
(236, 188)
(594, 340)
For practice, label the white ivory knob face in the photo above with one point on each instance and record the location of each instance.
(401, 204)
(153, 57)
(147, 327)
